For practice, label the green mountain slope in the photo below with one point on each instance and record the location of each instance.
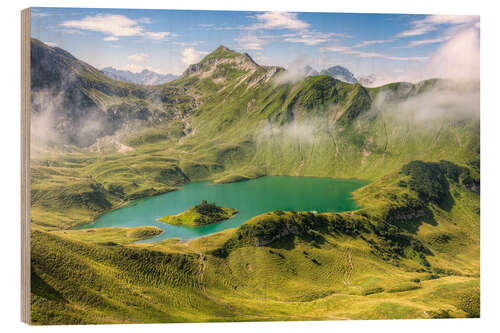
(80, 104)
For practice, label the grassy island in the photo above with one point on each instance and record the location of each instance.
(201, 214)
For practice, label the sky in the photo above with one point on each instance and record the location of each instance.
(393, 47)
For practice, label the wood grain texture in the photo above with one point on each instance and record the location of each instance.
(25, 166)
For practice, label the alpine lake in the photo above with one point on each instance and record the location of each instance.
(250, 198)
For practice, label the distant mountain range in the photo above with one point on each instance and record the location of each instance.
(368, 80)
(341, 73)
(146, 77)
(79, 104)
(309, 71)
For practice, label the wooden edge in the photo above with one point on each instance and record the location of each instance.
(25, 167)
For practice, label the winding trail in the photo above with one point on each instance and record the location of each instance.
(459, 141)
(203, 290)
(350, 267)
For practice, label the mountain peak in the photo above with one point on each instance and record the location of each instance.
(222, 56)
(221, 52)
(309, 71)
(340, 73)
(224, 66)
(222, 48)
(368, 80)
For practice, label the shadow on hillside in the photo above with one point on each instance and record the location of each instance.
(412, 225)
(288, 242)
(447, 202)
(42, 289)
(285, 243)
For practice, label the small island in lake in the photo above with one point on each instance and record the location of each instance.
(201, 214)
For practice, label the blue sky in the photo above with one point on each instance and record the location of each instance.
(167, 41)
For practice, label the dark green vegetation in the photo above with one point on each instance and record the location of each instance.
(430, 180)
(201, 214)
(412, 251)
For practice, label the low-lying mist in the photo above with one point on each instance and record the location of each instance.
(55, 121)
(304, 131)
(422, 106)
(448, 99)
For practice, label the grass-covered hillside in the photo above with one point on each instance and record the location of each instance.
(412, 251)
(403, 255)
(229, 119)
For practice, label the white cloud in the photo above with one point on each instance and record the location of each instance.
(145, 20)
(423, 42)
(350, 50)
(312, 37)
(305, 39)
(459, 57)
(156, 35)
(51, 44)
(191, 56)
(295, 71)
(447, 100)
(251, 42)
(262, 59)
(114, 26)
(72, 31)
(279, 20)
(136, 68)
(187, 44)
(139, 57)
(432, 22)
(372, 42)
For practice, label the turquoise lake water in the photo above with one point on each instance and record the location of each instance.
(250, 198)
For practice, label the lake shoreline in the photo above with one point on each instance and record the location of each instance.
(278, 192)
